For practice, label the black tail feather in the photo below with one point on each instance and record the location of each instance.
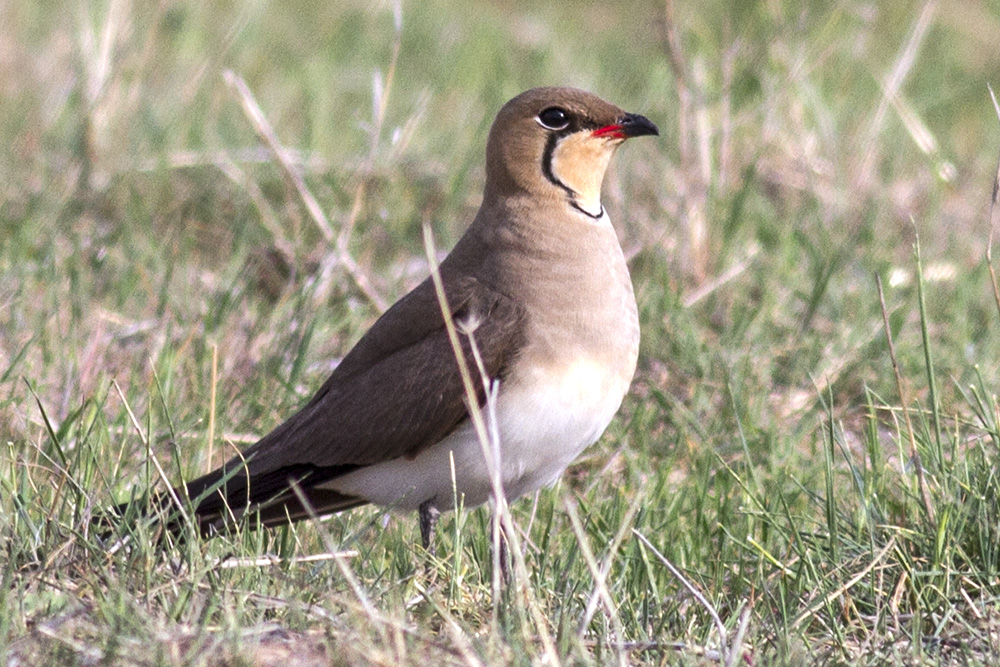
(224, 496)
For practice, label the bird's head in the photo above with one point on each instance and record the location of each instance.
(557, 142)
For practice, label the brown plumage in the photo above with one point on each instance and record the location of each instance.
(541, 275)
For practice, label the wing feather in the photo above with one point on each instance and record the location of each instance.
(398, 391)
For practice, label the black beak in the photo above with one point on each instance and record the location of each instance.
(634, 125)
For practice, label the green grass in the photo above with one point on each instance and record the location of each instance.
(766, 448)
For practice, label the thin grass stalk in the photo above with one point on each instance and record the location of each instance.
(993, 214)
(830, 500)
(294, 176)
(212, 391)
(925, 338)
(720, 627)
(600, 580)
(490, 449)
(914, 454)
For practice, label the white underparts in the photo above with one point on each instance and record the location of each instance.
(544, 421)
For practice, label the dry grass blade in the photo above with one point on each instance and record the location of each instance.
(212, 392)
(229, 563)
(675, 56)
(490, 448)
(471, 397)
(709, 286)
(290, 170)
(462, 644)
(62, 465)
(905, 403)
(736, 648)
(891, 86)
(993, 214)
(720, 627)
(599, 582)
(339, 558)
(823, 600)
(171, 493)
(599, 575)
(292, 173)
(694, 139)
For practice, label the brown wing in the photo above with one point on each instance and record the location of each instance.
(397, 391)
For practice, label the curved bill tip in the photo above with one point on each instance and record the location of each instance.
(634, 125)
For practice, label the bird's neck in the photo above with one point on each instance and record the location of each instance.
(546, 253)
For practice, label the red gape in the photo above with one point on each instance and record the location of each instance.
(616, 131)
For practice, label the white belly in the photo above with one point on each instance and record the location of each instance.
(544, 421)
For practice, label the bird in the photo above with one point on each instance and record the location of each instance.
(539, 290)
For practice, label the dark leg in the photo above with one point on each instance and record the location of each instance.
(428, 520)
(504, 558)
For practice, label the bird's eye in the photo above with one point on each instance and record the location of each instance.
(554, 118)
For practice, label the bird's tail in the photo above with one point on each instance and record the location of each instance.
(222, 498)
(175, 512)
